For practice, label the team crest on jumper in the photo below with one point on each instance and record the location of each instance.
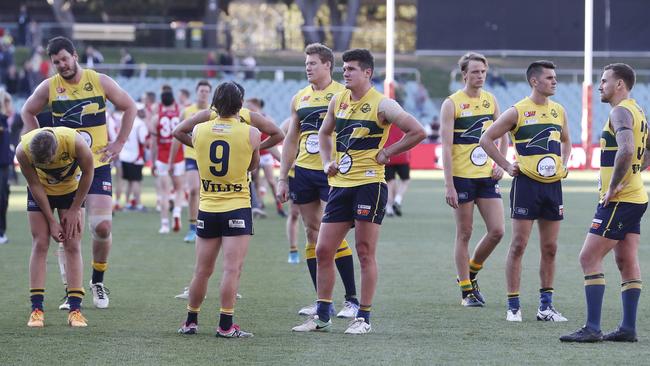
(486, 104)
(554, 113)
(329, 96)
(365, 108)
(88, 87)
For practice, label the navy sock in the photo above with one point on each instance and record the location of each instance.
(98, 276)
(630, 293)
(311, 265)
(545, 298)
(225, 321)
(364, 312)
(323, 309)
(192, 317)
(37, 295)
(513, 301)
(594, 291)
(74, 298)
(345, 265)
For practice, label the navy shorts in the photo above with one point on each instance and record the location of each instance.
(62, 202)
(102, 181)
(531, 200)
(402, 170)
(190, 164)
(365, 203)
(469, 189)
(617, 219)
(308, 185)
(230, 223)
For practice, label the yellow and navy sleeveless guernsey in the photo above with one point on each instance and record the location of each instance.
(359, 137)
(311, 107)
(537, 140)
(471, 118)
(634, 191)
(224, 153)
(62, 175)
(81, 106)
(188, 112)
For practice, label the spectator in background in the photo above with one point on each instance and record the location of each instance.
(30, 79)
(127, 62)
(228, 60)
(40, 65)
(34, 35)
(92, 57)
(434, 133)
(23, 21)
(12, 80)
(421, 98)
(6, 161)
(495, 79)
(6, 57)
(249, 64)
(210, 65)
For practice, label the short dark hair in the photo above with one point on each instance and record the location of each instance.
(463, 62)
(624, 72)
(228, 98)
(43, 147)
(167, 98)
(166, 87)
(324, 53)
(203, 83)
(536, 68)
(185, 92)
(362, 56)
(56, 44)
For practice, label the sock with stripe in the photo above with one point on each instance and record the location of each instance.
(364, 312)
(75, 295)
(513, 301)
(345, 265)
(630, 293)
(465, 287)
(323, 309)
(545, 298)
(594, 291)
(474, 268)
(98, 271)
(225, 318)
(192, 315)
(310, 258)
(36, 296)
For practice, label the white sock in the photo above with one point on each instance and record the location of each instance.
(398, 199)
(177, 211)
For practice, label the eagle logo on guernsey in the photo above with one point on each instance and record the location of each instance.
(554, 113)
(486, 104)
(475, 131)
(88, 87)
(543, 138)
(73, 115)
(365, 108)
(329, 96)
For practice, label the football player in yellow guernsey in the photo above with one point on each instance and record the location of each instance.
(58, 167)
(355, 128)
(539, 130)
(203, 90)
(226, 150)
(623, 200)
(78, 98)
(309, 188)
(471, 178)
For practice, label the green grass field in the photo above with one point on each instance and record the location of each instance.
(417, 318)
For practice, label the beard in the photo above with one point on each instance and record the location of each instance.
(74, 70)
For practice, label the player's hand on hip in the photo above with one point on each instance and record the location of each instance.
(611, 193)
(111, 151)
(382, 157)
(282, 190)
(451, 197)
(497, 172)
(331, 168)
(513, 169)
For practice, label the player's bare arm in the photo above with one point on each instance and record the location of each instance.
(267, 126)
(255, 136)
(565, 143)
(646, 155)
(123, 102)
(497, 171)
(325, 140)
(34, 105)
(447, 112)
(289, 152)
(622, 124)
(506, 122)
(38, 192)
(182, 131)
